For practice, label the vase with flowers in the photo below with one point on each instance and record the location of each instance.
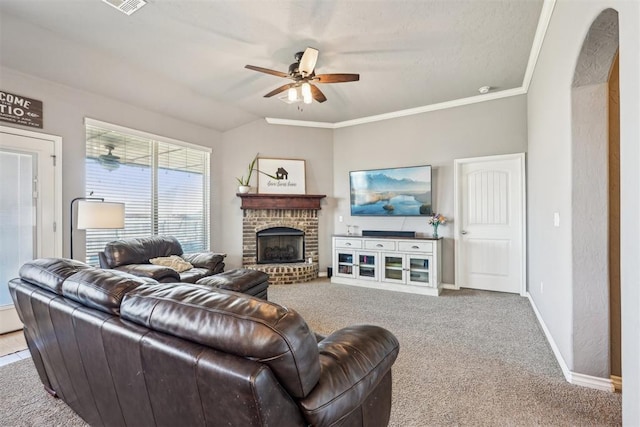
(435, 221)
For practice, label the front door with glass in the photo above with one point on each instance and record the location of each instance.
(27, 210)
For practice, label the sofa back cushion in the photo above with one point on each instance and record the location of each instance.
(101, 289)
(50, 273)
(140, 250)
(233, 323)
(90, 286)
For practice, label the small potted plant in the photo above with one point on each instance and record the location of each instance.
(244, 184)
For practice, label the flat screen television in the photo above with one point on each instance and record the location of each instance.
(404, 191)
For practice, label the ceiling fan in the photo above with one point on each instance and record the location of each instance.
(302, 72)
(109, 161)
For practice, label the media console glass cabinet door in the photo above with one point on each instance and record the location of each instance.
(398, 264)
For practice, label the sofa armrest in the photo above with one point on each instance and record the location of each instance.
(157, 272)
(353, 362)
(209, 260)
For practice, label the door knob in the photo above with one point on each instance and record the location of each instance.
(463, 232)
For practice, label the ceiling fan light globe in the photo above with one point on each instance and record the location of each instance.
(292, 94)
(307, 99)
(306, 90)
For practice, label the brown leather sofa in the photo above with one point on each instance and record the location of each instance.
(125, 350)
(132, 256)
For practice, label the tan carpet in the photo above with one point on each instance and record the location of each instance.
(25, 403)
(466, 358)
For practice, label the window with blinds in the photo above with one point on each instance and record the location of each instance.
(164, 185)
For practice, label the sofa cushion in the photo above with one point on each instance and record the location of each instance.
(50, 273)
(194, 274)
(140, 250)
(243, 280)
(272, 334)
(211, 261)
(156, 272)
(101, 289)
(173, 261)
(238, 280)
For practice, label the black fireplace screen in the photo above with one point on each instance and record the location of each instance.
(280, 245)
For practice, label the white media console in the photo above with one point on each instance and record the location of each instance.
(392, 263)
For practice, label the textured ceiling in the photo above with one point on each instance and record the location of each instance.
(186, 58)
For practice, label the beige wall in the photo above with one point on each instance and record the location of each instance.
(238, 148)
(64, 112)
(589, 229)
(550, 181)
(435, 138)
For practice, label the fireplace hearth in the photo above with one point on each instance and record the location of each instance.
(291, 257)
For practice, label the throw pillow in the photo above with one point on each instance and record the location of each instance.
(173, 261)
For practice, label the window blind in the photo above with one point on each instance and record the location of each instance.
(164, 186)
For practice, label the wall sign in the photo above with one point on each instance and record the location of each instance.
(281, 176)
(20, 110)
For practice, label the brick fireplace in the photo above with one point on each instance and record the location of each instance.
(284, 212)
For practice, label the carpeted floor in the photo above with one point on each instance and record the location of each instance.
(25, 403)
(466, 358)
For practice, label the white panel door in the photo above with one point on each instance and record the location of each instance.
(27, 211)
(490, 223)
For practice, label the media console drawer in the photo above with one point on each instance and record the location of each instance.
(415, 246)
(349, 243)
(388, 245)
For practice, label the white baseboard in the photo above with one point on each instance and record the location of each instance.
(598, 383)
(322, 274)
(604, 384)
(9, 320)
(449, 286)
(552, 343)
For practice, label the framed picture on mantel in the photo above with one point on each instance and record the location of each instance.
(281, 176)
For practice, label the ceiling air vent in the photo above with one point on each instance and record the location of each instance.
(126, 6)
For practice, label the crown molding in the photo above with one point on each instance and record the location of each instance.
(433, 107)
(401, 113)
(538, 40)
(302, 123)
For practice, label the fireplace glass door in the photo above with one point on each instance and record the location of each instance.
(280, 245)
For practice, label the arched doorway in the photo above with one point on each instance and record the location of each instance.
(596, 202)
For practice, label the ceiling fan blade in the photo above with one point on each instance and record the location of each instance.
(266, 70)
(336, 78)
(308, 61)
(317, 94)
(278, 90)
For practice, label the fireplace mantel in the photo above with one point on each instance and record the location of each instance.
(280, 201)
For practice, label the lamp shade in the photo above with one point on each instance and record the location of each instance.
(106, 215)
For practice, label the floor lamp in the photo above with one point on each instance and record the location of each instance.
(95, 213)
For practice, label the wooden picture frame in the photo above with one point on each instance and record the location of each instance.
(281, 176)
